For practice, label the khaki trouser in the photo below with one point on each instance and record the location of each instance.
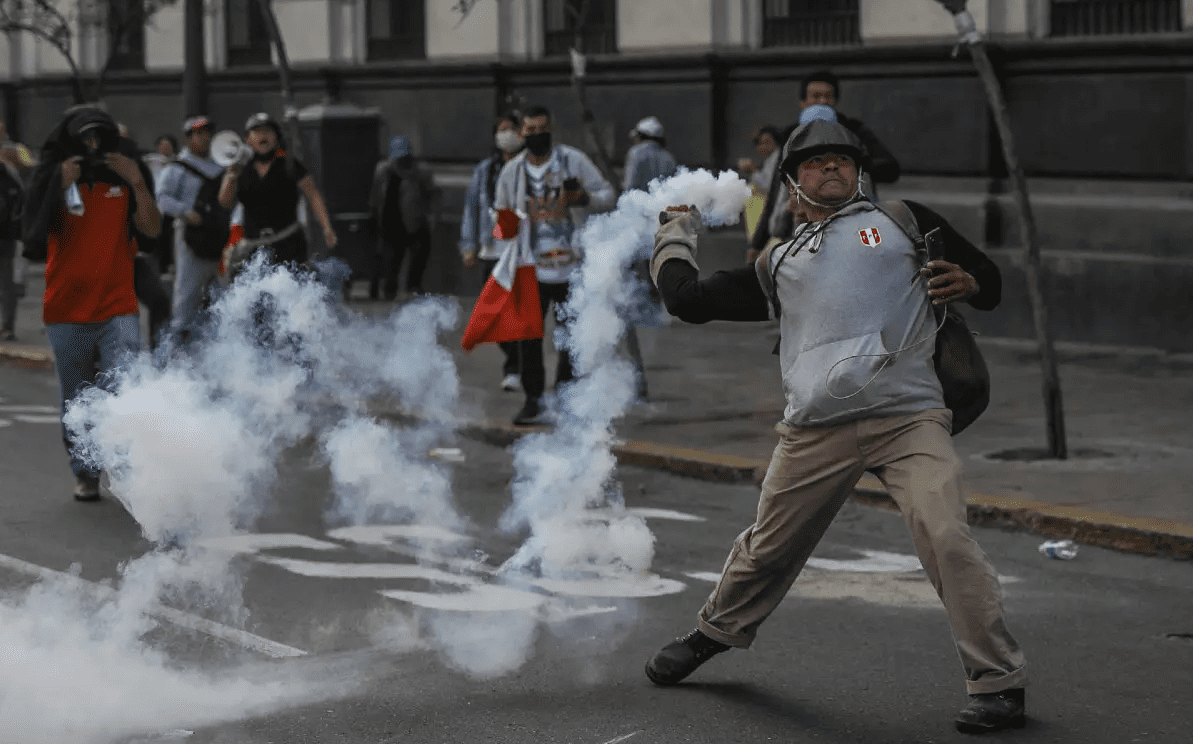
(812, 472)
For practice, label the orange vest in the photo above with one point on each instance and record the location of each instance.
(89, 259)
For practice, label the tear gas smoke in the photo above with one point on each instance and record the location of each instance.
(563, 474)
(191, 450)
(563, 490)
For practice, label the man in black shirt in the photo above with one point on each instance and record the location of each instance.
(821, 88)
(268, 189)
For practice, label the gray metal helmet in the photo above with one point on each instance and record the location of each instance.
(262, 120)
(820, 136)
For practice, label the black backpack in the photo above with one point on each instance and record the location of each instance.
(208, 238)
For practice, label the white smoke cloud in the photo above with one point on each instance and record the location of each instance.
(192, 447)
(563, 474)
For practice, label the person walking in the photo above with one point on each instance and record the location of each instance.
(187, 193)
(268, 189)
(11, 264)
(87, 201)
(647, 158)
(857, 311)
(404, 201)
(477, 244)
(551, 187)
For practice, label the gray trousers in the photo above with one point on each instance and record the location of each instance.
(192, 277)
(812, 471)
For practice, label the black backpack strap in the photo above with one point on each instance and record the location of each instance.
(899, 213)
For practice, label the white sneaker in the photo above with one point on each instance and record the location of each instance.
(511, 383)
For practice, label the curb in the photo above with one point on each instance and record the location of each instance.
(1143, 536)
(28, 357)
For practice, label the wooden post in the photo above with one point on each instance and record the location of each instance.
(1053, 405)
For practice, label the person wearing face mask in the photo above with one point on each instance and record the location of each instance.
(477, 244)
(551, 188)
(404, 203)
(268, 190)
(821, 93)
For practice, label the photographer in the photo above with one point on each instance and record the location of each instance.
(86, 202)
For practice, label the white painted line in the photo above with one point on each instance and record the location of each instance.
(14, 408)
(4, 423)
(875, 561)
(26, 418)
(330, 570)
(241, 638)
(622, 738)
(385, 534)
(479, 598)
(254, 542)
(630, 586)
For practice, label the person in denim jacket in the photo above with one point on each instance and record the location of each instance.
(477, 244)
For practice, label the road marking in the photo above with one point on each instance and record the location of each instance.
(478, 598)
(241, 638)
(385, 534)
(4, 423)
(618, 739)
(14, 408)
(329, 570)
(875, 561)
(26, 418)
(255, 542)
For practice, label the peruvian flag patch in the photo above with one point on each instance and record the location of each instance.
(870, 236)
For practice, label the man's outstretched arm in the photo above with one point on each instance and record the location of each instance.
(726, 295)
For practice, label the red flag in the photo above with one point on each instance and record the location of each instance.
(508, 308)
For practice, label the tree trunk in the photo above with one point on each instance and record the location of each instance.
(194, 75)
(1053, 405)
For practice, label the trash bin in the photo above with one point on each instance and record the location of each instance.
(339, 146)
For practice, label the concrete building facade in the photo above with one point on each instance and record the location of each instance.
(1100, 95)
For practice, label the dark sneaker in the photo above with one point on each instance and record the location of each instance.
(681, 657)
(87, 487)
(993, 711)
(529, 414)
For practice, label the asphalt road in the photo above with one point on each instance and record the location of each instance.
(299, 644)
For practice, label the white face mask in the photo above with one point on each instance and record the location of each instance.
(508, 140)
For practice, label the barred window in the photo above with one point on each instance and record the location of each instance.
(246, 34)
(810, 22)
(1101, 17)
(593, 22)
(397, 29)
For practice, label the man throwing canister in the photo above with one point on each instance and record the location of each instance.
(855, 305)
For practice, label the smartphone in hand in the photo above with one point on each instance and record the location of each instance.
(934, 240)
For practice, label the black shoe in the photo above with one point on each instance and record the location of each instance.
(681, 657)
(993, 711)
(529, 414)
(87, 487)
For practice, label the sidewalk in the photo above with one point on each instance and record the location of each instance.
(715, 396)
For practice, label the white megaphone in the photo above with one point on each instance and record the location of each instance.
(227, 148)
